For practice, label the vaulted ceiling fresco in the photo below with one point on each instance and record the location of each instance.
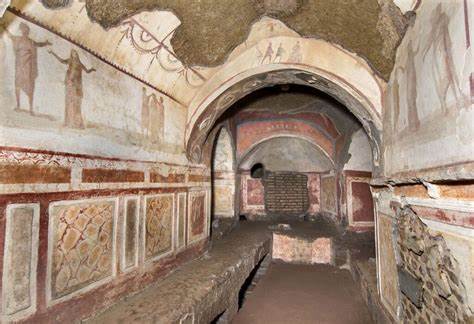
(210, 29)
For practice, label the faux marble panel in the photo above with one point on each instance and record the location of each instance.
(130, 233)
(158, 225)
(255, 192)
(181, 237)
(224, 198)
(197, 215)
(328, 194)
(387, 271)
(362, 202)
(360, 206)
(20, 261)
(81, 241)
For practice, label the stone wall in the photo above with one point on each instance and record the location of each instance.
(425, 254)
(436, 293)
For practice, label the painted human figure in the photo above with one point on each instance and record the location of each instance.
(279, 53)
(411, 86)
(396, 100)
(295, 56)
(268, 53)
(444, 70)
(156, 119)
(26, 64)
(145, 121)
(73, 82)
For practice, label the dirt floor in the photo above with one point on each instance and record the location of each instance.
(304, 294)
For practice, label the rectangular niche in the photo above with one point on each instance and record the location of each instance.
(130, 229)
(197, 216)
(20, 261)
(181, 226)
(81, 253)
(158, 226)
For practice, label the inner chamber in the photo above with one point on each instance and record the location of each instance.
(295, 153)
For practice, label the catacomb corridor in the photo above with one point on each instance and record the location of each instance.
(236, 161)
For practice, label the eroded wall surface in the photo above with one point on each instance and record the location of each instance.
(97, 196)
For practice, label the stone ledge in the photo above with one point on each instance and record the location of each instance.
(364, 273)
(203, 288)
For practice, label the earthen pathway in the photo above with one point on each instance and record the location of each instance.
(300, 294)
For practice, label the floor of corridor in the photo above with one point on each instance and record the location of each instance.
(300, 294)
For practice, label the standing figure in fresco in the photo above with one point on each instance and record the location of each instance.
(295, 56)
(26, 64)
(411, 94)
(279, 54)
(395, 101)
(268, 54)
(444, 70)
(156, 119)
(73, 82)
(145, 113)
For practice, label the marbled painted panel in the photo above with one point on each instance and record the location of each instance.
(20, 261)
(328, 194)
(130, 233)
(387, 264)
(158, 225)
(314, 191)
(255, 192)
(181, 237)
(197, 216)
(81, 245)
(223, 198)
(360, 206)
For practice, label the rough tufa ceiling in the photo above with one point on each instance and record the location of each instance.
(210, 29)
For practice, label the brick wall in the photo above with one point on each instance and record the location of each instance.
(286, 193)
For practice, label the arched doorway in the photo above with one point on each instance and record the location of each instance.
(223, 183)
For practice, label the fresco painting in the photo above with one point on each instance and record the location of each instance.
(430, 99)
(78, 104)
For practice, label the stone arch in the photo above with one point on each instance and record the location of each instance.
(350, 80)
(293, 128)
